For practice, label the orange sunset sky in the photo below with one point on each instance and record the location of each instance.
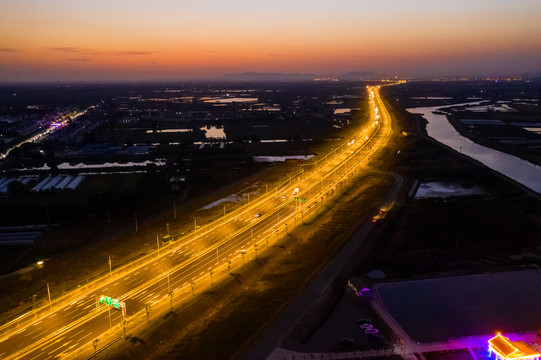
(117, 40)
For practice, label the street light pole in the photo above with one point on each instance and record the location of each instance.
(110, 267)
(49, 293)
(136, 226)
(168, 284)
(158, 243)
(110, 322)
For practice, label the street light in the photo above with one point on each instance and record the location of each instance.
(168, 283)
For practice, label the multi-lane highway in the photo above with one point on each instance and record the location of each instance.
(81, 324)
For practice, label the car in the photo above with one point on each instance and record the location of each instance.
(366, 326)
(257, 215)
(361, 321)
(347, 341)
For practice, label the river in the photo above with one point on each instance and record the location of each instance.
(440, 129)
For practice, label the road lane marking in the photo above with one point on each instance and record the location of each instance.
(37, 356)
(76, 333)
(82, 337)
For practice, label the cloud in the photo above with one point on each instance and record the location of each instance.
(132, 52)
(67, 49)
(276, 54)
(210, 51)
(79, 59)
(9, 50)
(75, 50)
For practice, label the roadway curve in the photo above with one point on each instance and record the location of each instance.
(192, 263)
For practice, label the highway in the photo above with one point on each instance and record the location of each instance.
(191, 264)
(63, 121)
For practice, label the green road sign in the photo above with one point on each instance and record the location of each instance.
(109, 301)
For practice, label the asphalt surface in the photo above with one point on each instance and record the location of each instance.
(189, 264)
(275, 335)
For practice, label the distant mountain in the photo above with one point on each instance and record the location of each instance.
(255, 76)
(361, 75)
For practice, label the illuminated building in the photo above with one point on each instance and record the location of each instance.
(506, 349)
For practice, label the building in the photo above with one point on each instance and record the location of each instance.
(505, 349)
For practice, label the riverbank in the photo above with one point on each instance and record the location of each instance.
(440, 129)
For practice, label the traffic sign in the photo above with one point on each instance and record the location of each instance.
(109, 301)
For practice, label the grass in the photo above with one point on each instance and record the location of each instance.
(461, 235)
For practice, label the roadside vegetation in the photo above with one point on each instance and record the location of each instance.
(223, 321)
(459, 235)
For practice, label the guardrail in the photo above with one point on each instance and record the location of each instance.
(104, 277)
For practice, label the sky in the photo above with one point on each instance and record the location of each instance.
(138, 40)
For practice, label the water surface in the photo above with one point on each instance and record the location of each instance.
(440, 129)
